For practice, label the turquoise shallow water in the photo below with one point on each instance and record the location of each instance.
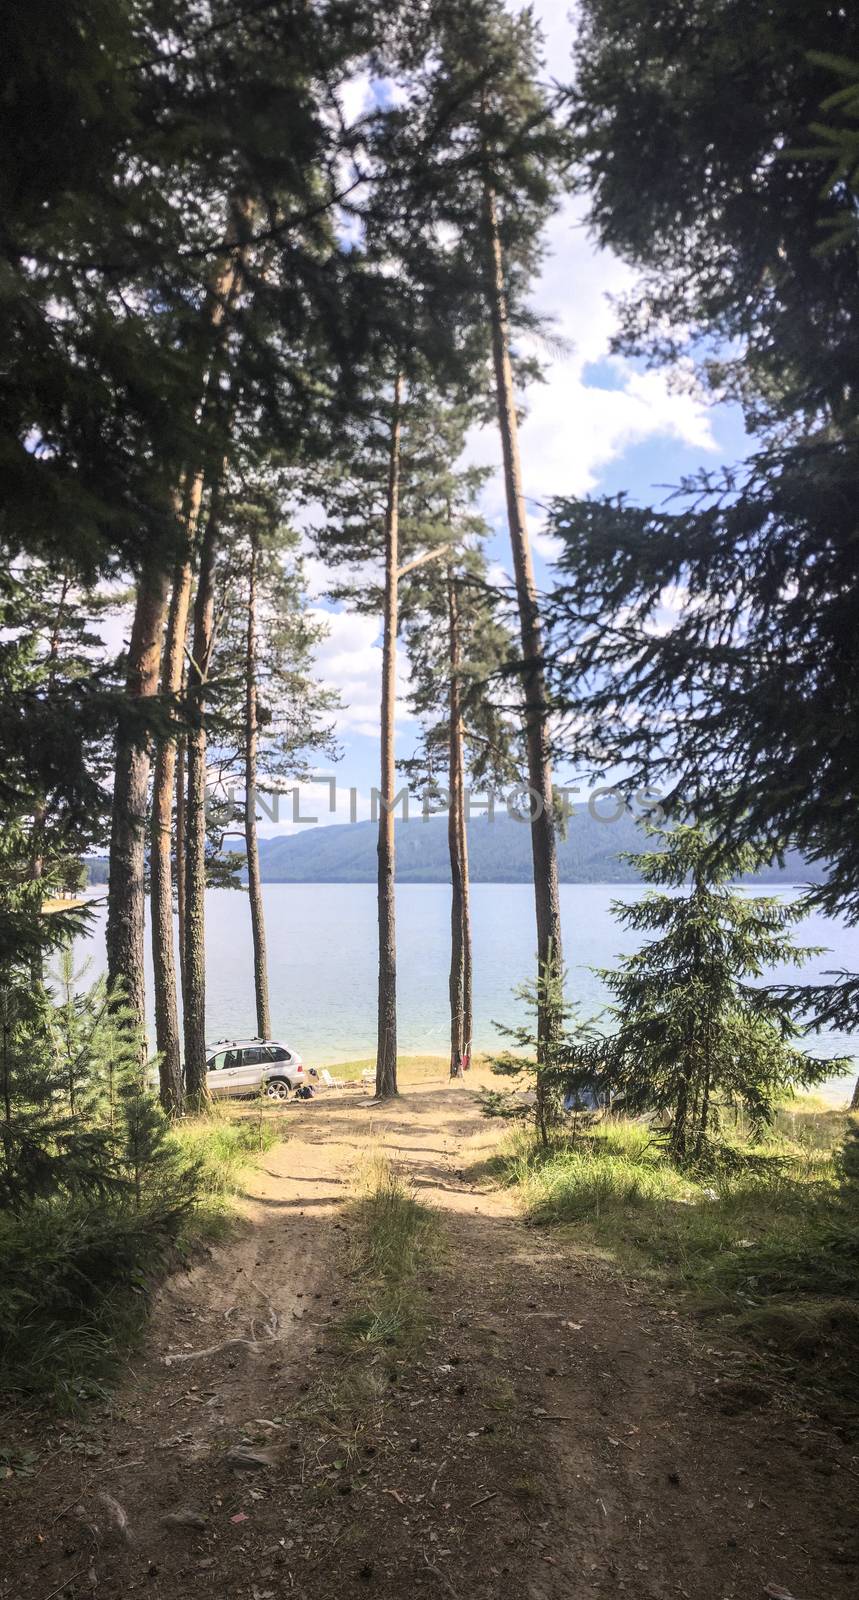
(322, 962)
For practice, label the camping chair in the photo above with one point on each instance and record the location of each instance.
(329, 1082)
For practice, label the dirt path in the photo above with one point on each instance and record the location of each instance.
(556, 1434)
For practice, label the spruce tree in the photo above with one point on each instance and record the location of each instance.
(741, 690)
(695, 1031)
(542, 1073)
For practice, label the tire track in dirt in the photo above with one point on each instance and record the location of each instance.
(557, 1434)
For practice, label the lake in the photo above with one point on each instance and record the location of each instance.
(322, 962)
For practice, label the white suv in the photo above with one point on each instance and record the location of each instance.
(245, 1066)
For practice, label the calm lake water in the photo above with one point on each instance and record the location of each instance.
(322, 962)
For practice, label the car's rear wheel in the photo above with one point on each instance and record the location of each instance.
(277, 1089)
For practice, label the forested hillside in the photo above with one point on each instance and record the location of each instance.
(498, 851)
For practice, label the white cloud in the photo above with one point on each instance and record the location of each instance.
(498, 576)
(574, 425)
(349, 659)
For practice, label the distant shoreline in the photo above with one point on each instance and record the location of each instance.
(774, 882)
(591, 852)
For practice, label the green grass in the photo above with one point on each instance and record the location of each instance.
(76, 1276)
(410, 1069)
(220, 1145)
(765, 1244)
(395, 1247)
(394, 1241)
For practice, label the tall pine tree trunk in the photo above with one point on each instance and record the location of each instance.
(126, 891)
(160, 866)
(195, 808)
(181, 746)
(454, 834)
(386, 1052)
(467, 999)
(251, 844)
(543, 848)
(216, 409)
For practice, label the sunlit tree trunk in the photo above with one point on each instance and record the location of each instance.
(180, 852)
(386, 1053)
(543, 848)
(195, 808)
(126, 891)
(454, 834)
(217, 409)
(467, 997)
(160, 851)
(251, 843)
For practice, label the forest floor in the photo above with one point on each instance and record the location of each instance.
(550, 1428)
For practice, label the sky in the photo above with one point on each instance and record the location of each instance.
(598, 423)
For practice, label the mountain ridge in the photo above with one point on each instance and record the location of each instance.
(499, 852)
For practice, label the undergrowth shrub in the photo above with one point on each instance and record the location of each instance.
(77, 1272)
(764, 1237)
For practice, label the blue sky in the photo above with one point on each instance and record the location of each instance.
(598, 423)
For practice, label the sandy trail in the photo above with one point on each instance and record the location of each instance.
(558, 1434)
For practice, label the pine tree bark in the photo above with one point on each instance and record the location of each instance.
(454, 834)
(195, 809)
(386, 1051)
(180, 852)
(126, 891)
(251, 842)
(543, 847)
(160, 866)
(854, 1103)
(467, 1000)
(215, 408)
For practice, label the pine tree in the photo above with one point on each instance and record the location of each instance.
(382, 504)
(269, 716)
(493, 155)
(694, 1031)
(146, 1161)
(458, 649)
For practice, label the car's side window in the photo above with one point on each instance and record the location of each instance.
(222, 1059)
(253, 1056)
(277, 1053)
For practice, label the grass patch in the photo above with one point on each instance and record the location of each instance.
(77, 1275)
(765, 1242)
(394, 1242)
(410, 1069)
(395, 1247)
(220, 1145)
